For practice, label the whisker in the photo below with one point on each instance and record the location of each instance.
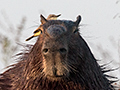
(72, 68)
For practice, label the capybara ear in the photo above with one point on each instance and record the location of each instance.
(43, 20)
(78, 20)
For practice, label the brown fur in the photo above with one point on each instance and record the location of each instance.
(59, 60)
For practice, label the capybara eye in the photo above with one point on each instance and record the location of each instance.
(45, 50)
(63, 50)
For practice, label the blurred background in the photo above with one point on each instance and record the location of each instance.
(100, 26)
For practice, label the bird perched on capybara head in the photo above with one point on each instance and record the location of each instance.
(59, 60)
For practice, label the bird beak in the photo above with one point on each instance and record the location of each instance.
(58, 15)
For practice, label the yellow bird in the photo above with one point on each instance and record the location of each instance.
(38, 31)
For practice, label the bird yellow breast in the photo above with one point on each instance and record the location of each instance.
(37, 34)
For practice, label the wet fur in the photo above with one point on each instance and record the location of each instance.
(85, 73)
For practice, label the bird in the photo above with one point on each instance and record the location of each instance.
(53, 17)
(38, 31)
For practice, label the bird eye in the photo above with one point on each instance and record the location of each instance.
(40, 31)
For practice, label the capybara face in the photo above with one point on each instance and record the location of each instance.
(54, 52)
(55, 48)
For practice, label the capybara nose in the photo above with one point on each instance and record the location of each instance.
(54, 71)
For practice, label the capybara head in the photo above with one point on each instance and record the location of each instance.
(56, 38)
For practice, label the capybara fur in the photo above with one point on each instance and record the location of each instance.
(59, 60)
